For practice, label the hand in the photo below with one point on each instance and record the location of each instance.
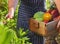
(10, 14)
(57, 19)
(58, 25)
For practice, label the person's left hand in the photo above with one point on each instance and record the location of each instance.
(57, 2)
(58, 25)
(58, 19)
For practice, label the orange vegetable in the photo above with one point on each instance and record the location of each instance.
(47, 16)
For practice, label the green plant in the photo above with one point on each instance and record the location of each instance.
(9, 36)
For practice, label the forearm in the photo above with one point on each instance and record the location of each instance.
(57, 2)
(12, 4)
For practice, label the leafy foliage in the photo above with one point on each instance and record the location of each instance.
(9, 36)
(8, 33)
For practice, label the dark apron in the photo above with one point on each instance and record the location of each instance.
(26, 10)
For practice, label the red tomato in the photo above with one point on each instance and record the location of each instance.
(45, 21)
(49, 11)
(55, 13)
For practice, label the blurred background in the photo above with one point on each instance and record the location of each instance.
(8, 33)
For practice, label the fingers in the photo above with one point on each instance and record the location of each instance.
(58, 25)
(9, 16)
(57, 19)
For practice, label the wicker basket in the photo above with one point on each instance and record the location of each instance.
(43, 29)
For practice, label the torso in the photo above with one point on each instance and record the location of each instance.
(33, 2)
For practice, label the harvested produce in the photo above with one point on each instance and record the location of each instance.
(38, 16)
(47, 16)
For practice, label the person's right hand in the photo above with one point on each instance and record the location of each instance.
(10, 14)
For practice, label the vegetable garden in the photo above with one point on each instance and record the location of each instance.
(8, 33)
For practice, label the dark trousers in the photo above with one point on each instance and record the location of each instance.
(26, 12)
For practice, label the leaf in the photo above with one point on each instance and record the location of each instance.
(6, 36)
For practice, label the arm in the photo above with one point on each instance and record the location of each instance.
(57, 2)
(12, 4)
(11, 8)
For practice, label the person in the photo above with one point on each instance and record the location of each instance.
(57, 2)
(26, 11)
